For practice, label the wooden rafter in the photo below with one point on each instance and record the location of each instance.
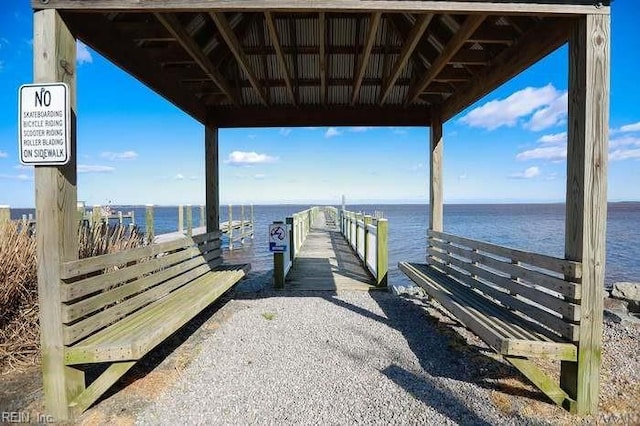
(263, 39)
(531, 47)
(421, 24)
(294, 40)
(234, 45)
(323, 58)
(171, 23)
(470, 25)
(275, 40)
(374, 22)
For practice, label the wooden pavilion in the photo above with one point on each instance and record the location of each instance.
(244, 63)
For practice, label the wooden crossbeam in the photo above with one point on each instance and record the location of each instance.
(323, 58)
(412, 41)
(275, 40)
(234, 45)
(470, 25)
(538, 42)
(173, 25)
(374, 22)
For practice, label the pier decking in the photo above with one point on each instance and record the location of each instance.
(327, 262)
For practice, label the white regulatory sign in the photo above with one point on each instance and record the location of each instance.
(44, 124)
(278, 238)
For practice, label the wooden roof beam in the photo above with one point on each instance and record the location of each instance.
(323, 58)
(421, 24)
(470, 25)
(374, 23)
(171, 23)
(232, 41)
(275, 40)
(538, 42)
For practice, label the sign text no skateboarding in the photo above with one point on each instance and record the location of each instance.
(278, 237)
(44, 124)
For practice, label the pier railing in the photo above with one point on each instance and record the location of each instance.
(298, 226)
(368, 236)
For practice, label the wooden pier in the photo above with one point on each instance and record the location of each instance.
(326, 261)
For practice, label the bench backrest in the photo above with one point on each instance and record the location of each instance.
(101, 290)
(542, 289)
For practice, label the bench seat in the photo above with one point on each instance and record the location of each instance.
(509, 333)
(132, 337)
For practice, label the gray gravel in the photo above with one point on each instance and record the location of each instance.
(322, 358)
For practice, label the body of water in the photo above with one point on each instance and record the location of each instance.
(532, 227)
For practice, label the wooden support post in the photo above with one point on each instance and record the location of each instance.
(292, 248)
(149, 222)
(212, 173)
(230, 227)
(54, 56)
(586, 211)
(96, 215)
(253, 228)
(5, 214)
(278, 268)
(382, 258)
(203, 217)
(189, 220)
(132, 215)
(357, 236)
(120, 218)
(181, 218)
(367, 221)
(435, 181)
(242, 223)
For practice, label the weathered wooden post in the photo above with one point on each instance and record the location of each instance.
(382, 257)
(120, 218)
(586, 202)
(149, 222)
(253, 227)
(5, 214)
(278, 267)
(292, 249)
(242, 223)
(96, 215)
(367, 221)
(230, 227)
(203, 220)
(358, 241)
(56, 216)
(211, 178)
(181, 218)
(189, 220)
(132, 215)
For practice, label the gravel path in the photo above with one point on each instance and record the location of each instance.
(322, 358)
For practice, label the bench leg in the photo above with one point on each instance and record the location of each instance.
(99, 387)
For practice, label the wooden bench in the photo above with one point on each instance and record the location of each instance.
(118, 307)
(524, 305)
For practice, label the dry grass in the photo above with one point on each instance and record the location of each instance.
(19, 331)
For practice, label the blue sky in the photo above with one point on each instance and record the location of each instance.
(136, 148)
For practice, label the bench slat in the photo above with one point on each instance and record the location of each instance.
(555, 323)
(566, 267)
(134, 336)
(484, 325)
(84, 328)
(569, 289)
(164, 268)
(93, 284)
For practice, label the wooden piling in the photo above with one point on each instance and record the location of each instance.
(180, 218)
(230, 227)
(189, 220)
(382, 266)
(203, 222)
(367, 221)
(5, 214)
(149, 222)
(96, 215)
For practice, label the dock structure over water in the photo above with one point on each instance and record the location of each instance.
(259, 63)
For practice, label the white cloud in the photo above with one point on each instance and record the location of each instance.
(125, 155)
(285, 131)
(550, 116)
(259, 176)
(87, 168)
(624, 141)
(331, 132)
(529, 173)
(83, 56)
(359, 129)
(193, 177)
(624, 154)
(508, 111)
(635, 127)
(551, 153)
(179, 176)
(463, 176)
(21, 177)
(242, 158)
(3, 43)
(554, 138)
(3, 154)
